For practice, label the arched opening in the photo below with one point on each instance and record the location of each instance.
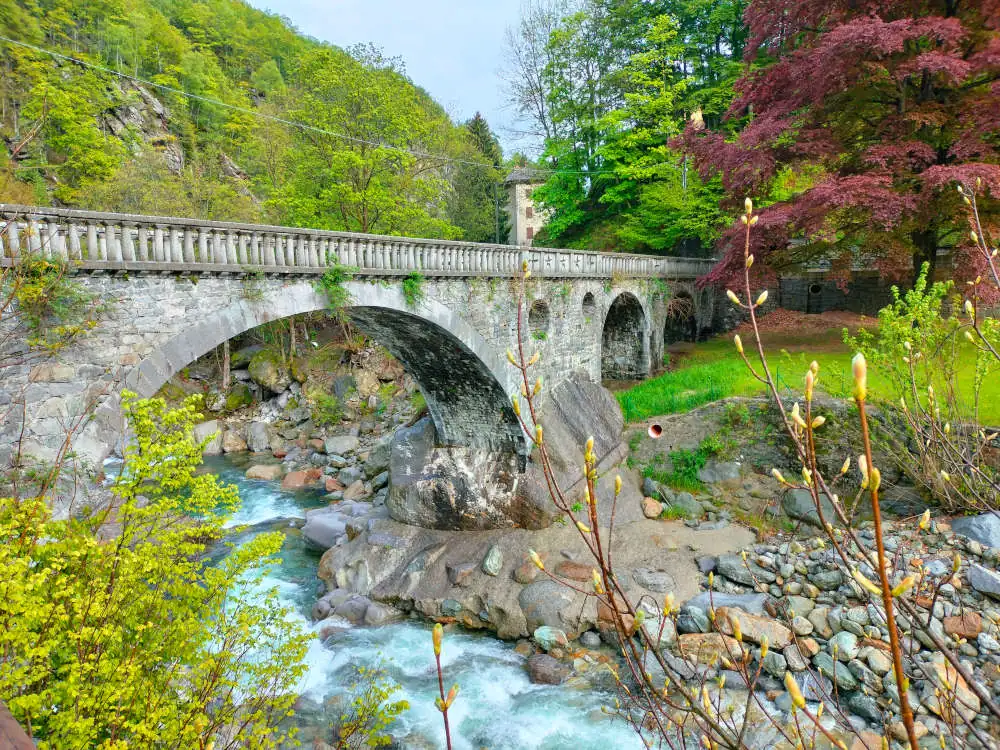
(624, 353)
(681, 323)
(538, 320)
(457, 371)
(589, 307)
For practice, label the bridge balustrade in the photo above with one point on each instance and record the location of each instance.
(107, 241)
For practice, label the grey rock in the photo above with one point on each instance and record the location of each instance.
(323, 527)
(799, 505)
(774, 664)
(714, 471)
(460, 573)
(381, 614)
(844, 645)
(734, 568)
(658, 581)
(205, 431)
(693, 620)
(685, 504)
(340, 445)
(794, 658)
(546, 670)
(349, 475)
(549, 637)
(257, 438)
(836, 671)
(864, 706)
(827, 580)
(493, 562)
(984, 581)
(542, 603)
(590, 639)
(984, 528)
(381, 480)
(751, 603)
(378, 457)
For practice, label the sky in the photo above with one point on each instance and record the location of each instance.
(451, 48)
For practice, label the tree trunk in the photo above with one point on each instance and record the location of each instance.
(226, 364)
(291, 343)
(925, 242)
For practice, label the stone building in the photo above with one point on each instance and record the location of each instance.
(525, 218)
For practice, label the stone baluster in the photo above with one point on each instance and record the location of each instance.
(220, 253)
(189, 254)
(128, 247)
(35, 243)
(203, 252)
(176, 245)
(314, 247)
(52, 240)
(285, 257)
(270, 249)
(299, 251)
(73, 238)
(279, 250)
(158, 244)
(232, 249)
(13, 239)
(142, 243)
(292, 250)
(243, 248)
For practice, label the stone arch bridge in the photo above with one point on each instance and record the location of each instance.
(175, 289)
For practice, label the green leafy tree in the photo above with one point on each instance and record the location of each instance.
(476, 205)
(116, 630)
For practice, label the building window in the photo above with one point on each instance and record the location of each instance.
(529, 212)
(531, 233)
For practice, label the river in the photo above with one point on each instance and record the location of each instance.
(497, 708)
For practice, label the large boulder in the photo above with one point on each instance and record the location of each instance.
(257, 438)
(475, 488)
(323, 527)
(268, 371)
(543, 602)
(984, 528)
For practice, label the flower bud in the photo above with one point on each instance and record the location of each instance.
(793, 690)
(818, 421)
(515, 403)
(538, 387)
(764, 644)
(748, 205)
(969, 337)
(753, 220)
(452, 695)
(865, 583)
(668, 603)
(876, 479)
(810, 384)
(846, 465)
(969, 309)
(510, 358)
(583, 527)
(618, 485)
(860, 368)
(975, 237)
(711, 579)
(596, 578)
(945, 475)
(762, 298)
(737, 630)
(534, 358)
(437, 635)
(777, 475)
(749, 260)
(905, 585)
(538, 434)
(925, 520)
(797, 416)
(739, 343)
(590, 445)
(956, 563)
(536, 559)
(732, 296)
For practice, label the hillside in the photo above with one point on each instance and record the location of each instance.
(201, 126)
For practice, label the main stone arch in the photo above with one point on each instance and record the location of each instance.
(625, 339)
(460, 374)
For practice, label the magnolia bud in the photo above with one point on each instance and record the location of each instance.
(732, 297)
(846, 466)
(793, 691)
(437, 635)
(515, 403)
(753, 220)
(583, 527)
(762, 298)
(810, 384)
(739, 343)
(969, 310)
(538, 434)
(818, 422)
(925, 519)
(860, 369)
(536, 559)
(748, 205)
(749, 261)
(777, 475)
(618, 484)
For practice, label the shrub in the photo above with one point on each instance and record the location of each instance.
(327, 409)
(413, 289)
(115, 630)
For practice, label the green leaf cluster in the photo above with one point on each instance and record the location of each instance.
(117, 630)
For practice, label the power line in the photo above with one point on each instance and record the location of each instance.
(280, 120)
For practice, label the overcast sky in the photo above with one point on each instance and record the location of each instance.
(452, 48)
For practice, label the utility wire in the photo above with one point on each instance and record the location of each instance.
(281, 120)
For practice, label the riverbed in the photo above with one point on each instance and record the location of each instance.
(498, 707)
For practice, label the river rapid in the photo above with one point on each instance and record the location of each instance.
(498, 707)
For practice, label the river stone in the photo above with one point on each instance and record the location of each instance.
(493, 561)
(349, 475)
(590, 639)
(549, 638)
(459, 574)
(752, 603)
(984, 528)
(233, 442)
(774, 664)
(209, 431)
(658, 581)
(353, 608)
(794, 658)
(846, 645)
(378, 457)
(864, 706)
(322, 528)
(257, 438)
(734, 568)
(692, 620)
(381, 614)
(542, 602)
(798, 504)
(827, 580)
(754, 628)
(340, 445)
(836, 671)
(546, 670)
(266, 472)
(984, 581)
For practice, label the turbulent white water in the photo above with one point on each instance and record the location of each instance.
(498, 707)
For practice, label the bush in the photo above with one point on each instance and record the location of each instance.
(413, 289)
(116, 631)
(327, 409)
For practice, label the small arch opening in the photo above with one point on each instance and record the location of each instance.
(681, 322)
(589, 307)
(624, 354)
(538, 320)
(815, 289)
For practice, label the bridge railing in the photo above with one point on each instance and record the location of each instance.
(157, 243)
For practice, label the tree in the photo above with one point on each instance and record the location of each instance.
(477, 190)
(859, 119)
(115, 628)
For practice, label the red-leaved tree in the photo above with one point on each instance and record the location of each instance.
(861, 115)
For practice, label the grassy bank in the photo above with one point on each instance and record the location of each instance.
(705, 372)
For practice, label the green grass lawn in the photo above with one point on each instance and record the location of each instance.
(711, 370)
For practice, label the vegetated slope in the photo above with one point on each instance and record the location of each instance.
(79, 136)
